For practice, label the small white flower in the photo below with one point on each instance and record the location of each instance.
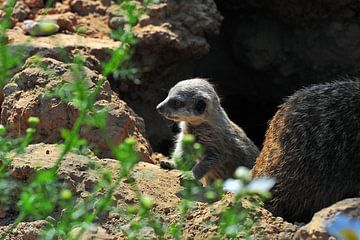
(233, 185)
(262, 184)
(243, 173)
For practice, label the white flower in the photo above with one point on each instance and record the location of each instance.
(262, 184)
(233, 185)
(243, 173)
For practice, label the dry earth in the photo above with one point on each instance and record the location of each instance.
(162, 185)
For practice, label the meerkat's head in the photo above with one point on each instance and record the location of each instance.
(190, 101)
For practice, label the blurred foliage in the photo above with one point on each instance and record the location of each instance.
(46, 197)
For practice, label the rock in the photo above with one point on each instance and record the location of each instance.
(40, 28)
(26, 96)
(25, 230)
(177, 28)
(106, 3)
(172, 31)
(77, 172)
(315, 229)
(114, 11)
(66, 21)
(85, 7)
(21, 11)
(63, 46)
(59, 7)
(34, 3)
(117, 22)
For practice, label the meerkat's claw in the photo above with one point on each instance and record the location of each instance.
(166, 164)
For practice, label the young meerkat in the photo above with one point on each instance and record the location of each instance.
(196, 106)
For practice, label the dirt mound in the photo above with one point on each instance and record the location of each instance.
(162, 185)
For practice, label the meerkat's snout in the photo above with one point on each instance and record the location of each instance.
(164, 110)
(160, 107)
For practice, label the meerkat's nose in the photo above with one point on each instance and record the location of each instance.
(160, 107)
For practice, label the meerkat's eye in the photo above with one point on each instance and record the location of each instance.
(176, 103)
(200, 106)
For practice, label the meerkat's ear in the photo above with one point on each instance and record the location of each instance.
(214, 87)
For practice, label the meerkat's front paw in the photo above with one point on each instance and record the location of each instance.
(166, 164)
(197, 172)
(186, 176)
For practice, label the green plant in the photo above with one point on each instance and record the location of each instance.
(45, 193)
(239, 218)
(68, 217)
(235, 220)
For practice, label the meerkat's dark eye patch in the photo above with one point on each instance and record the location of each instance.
(176, 103)
(200, 106)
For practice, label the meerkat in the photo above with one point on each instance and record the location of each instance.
(312, 148)
(196, 106)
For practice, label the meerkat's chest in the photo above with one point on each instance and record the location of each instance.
(203, 133)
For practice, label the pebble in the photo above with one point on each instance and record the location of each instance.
(40, 28)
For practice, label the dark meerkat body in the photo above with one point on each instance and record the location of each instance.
(195, 104)
(312, 147)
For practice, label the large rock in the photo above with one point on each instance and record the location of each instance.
(81, 173)
(174, 31)
(78, 172)
(315, 229)
(27, 95)
(170, 33)
(85, 7)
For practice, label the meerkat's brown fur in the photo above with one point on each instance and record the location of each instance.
(312, 148)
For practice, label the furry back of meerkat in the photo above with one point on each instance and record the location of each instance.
(196, 106)
(312, 147)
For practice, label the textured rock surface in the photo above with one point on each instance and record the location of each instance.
(175, 30)
(315, 229)
(77, 173)
(25, 230)
(63, 46)
(21, 11)
(170, 33)
(26, 95)
(162, 185)
(85, 7)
